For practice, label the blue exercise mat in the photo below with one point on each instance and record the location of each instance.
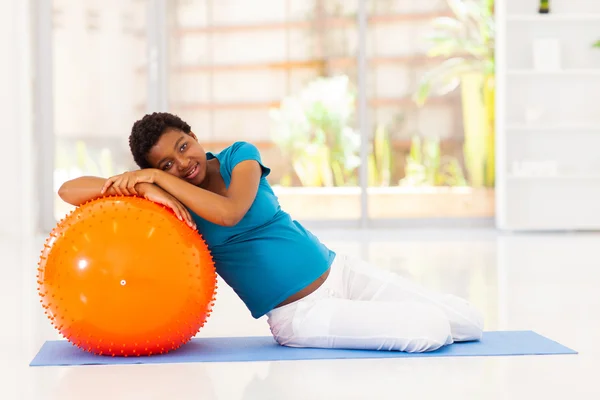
(258, 348)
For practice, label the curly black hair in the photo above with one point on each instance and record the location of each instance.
(146, 132)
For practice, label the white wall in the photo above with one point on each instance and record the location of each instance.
(17, 202)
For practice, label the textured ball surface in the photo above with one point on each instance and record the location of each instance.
(122, 276)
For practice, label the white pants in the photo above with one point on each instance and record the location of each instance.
(363, 307)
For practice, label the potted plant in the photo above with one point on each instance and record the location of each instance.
(467, 41)
(434, 186)
(313, 129)
(426, 166)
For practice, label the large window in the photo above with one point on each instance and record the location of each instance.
(285, 75)
(98, 48)
(279, 74)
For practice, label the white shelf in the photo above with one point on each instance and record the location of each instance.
(554, 18)
(555, 128)
(554, 177)
(565, 72)
(552, 226)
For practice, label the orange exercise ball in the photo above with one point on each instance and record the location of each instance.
(123, 276)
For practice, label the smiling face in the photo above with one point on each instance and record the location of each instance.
(179, 154)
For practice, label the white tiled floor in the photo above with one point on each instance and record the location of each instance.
(547, 283)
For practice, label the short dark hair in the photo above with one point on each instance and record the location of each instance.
(146, 132)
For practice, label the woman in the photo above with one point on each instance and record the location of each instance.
(312, 296)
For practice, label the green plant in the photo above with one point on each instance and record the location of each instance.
(425, 165)
(381, 158)
(596, 44)
(467, 41)
(313, 130)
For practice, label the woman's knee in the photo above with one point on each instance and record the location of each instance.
(474, 328)
(469, 323)
(431, 330)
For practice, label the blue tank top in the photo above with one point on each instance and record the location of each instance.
(267, 256)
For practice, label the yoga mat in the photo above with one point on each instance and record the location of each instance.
(258, 348)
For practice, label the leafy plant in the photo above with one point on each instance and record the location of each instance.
(425, 165)
(313, 130)
(596, 44)
(468, 39)
(381, 158)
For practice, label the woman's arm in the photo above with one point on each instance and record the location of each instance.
(79, 190)
(86, 188)
(225, 210)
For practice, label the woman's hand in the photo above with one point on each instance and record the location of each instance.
(158, 195)
(124, 184)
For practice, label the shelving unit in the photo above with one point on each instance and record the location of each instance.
(548, 116)
(595, 129)
(578, 72)
(553, 18)
(556, 177)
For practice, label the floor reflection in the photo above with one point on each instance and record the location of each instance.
(547, 283)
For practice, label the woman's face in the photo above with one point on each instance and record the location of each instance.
(179, 154)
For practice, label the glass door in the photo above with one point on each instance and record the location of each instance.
(339, 109)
